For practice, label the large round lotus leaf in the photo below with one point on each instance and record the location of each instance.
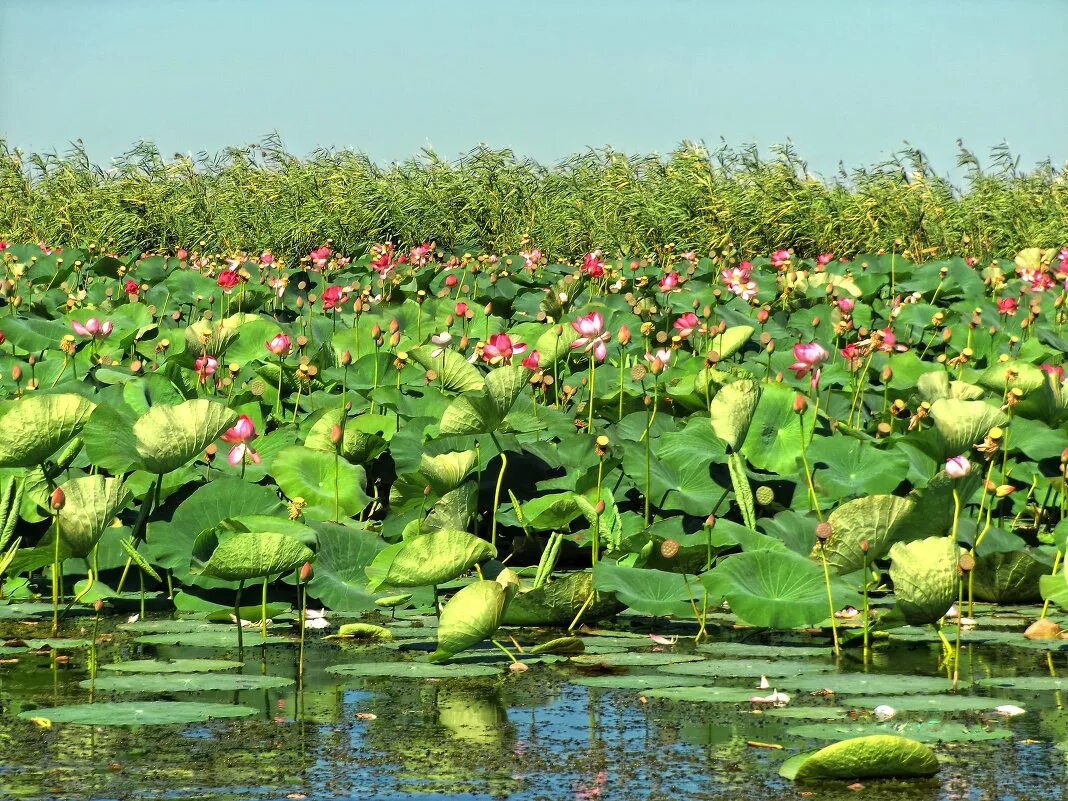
(364, 437)
(731, 340)
(556, 603)
(654, 592)
(453, 371)
(1026, 682)
(138, 713)
(759, 650)
(777, 589)
(91, 503)
(445, 471)
(806, 712)
(743, 668)
(221, 637)
(732, 411)
(473, 615)
(706, 695)
(1007, 578)
(428, 559)
(183, 683)
(635, 659)
(872, 757)
(868, 684)
(927, 703)
(963, 423)
(876, 519)
(36, 426)
(936, 385)
(171, 436)
(339, 581)
(925, 577)
(632, 682)
(773, 442)
(483, 414)
(250, 555)
(314, 476)
(928, 732)
(414, 670)
(171, 666)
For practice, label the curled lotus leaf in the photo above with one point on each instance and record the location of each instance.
(962, 423)
(732, 411)
(925, 577)
(872, 757)
(248, 555)
(91, 503)
(36, 426)
(446, 471)
(876, 518)
(363, 438)
(428, 559)
(169, 437)
(485, 413)
(473, 614)
(452, 370)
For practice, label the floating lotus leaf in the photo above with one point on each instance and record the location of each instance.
(635, 659)
(654, 592)
(732, 411)
(414, 670)
(876, 519)
(454, 373)
(627, 681)
(221, 637)
(473, 615)
(560, 645)
(775, 589)
(744, 668)
(168, 437)
(249, 555)
(428, 559)
(1026, 683)
(138, 713)
(963, 423)
(91, 503)
(868, 683)
(925, 577)
(171, 665)
(704, 695)
(927, 703)
(366, 632)
(923, 731)
(36, 426)
(183, 683)
(872, 757)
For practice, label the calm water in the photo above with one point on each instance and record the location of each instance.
(536, 735)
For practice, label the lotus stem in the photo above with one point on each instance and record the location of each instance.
(830, 599)
(507, 653)
(55, 582)
(497, 491)
(263, 610)
(581, 611)
(593, 376)
(1056, 564)
(303, 591)
(960, 614)
(237, 620)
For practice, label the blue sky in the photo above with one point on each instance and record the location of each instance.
(844, 80)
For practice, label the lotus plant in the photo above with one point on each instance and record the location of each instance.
(592, 339)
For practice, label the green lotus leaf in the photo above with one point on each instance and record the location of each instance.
(428, 559)
(731, 340)
(556, 603)
(964, 423)
(925, 577)
(654, 592)
(414, 670)
(1009, 578)
(876, 519)
(367, 632)
(936, 385)
(559, 645)
(922, 731)
(339, 580)
(275, 523)
(138, 713)
(454, 373)
(473, 614)
(315, 476)
(742, 668)
(775, 589)
(129, 547)
(170, 436)
(36, 426)
(698, 694)
(773, 442)
(248, 555)
(732, 411)
(445, 472)
(171, 665)
(932, 510)
(184, 683)
(872, 757)
(848, 468)
(92, 502)
(553, 346)
(364, 436)
(455, 509)
(204, 336)
(552, 511)
(484, 414)
(1055, 590)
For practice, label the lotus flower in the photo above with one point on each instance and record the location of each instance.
(824, 259)
(92, 328)
(131, 287)
(687, 324)
(205, 366)
(441, 340)
(461, 309)
(846, 305)
(530, 258)
(958, 466)
(320, 255)
(228, 279)
(420, 254)
(1055, 370)
(334, 296)
(1007, 305)
(593, 264)
(669, 282)
(780, 258)
(592, 336)
(279, 344)
(533, 360)
(316, 619)
(807, 357)
(239, 435)
(501, 348)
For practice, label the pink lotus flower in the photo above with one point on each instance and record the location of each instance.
(239, 434)
(824, 258)
(687, 324)
(846, 305)
(658, 360)
(690, 256)
(807, 358)
(887, 341)
(780, 258)
(533, 360)
(320, 256)
(334, 296)
(182, 254)
(669, 282)
(4, 245)
(3, 339)
(131, 287)
(958, 466)
(501, 348)
(461, 309)
(420, 254)
(92, 328)
(205, 366)
(530, 258)
(279, 344)
(267, 258)
(228, 279)
(592, 336)
(593, 264)
(1007, 305)
(1055, 370)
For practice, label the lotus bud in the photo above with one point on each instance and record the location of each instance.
(16, 373)
(864, 545)
(57, 499)
(710, 521)
(488, 309)
(306, 572)
(394, 326)
(1004, 490)
(346, 359)
(376, 331)
(623, 337)
(800, 403)
(395, 338)
(762, 316)
(426, 490)
(98, 605)
(464, 342)
(335, 434)
(599, 508)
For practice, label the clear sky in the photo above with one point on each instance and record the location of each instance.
(845, 80)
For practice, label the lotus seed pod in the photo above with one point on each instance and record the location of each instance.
(824, 531)
(765, 495)
(669, 549)
(966, 563)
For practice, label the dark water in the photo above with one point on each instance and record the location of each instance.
(534, 735)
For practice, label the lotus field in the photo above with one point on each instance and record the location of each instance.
(820, 503)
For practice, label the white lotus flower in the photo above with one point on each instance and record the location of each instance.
(1009, 710)
(884, 712)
